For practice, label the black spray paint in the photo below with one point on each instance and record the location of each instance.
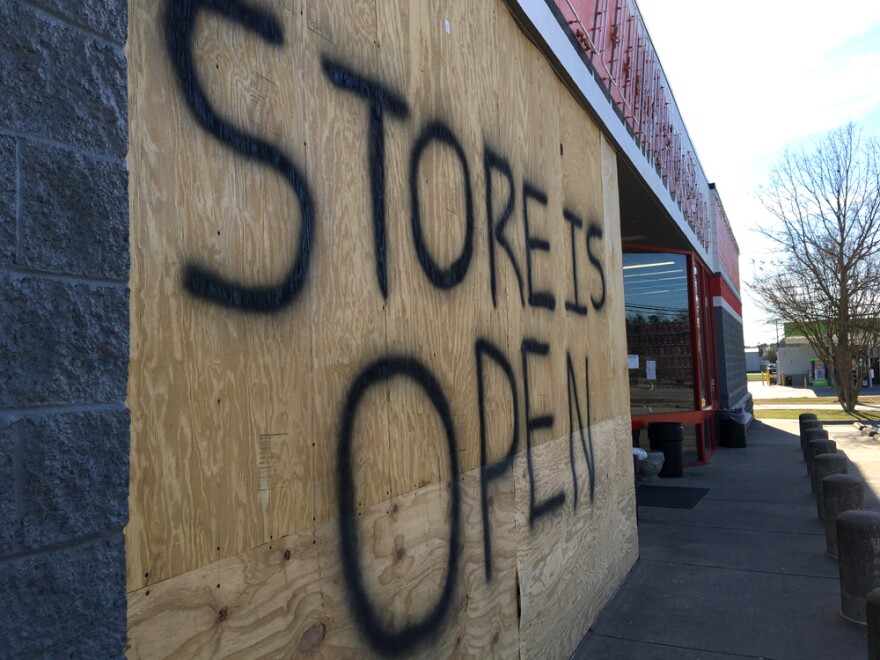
(575, 223)
(574, 404)
(536, 298)
(180, 22)
(494, 162)
(489, 472)
(442, 278)
(381, 100)
(555, 501)
(370, 622)
(595, 233)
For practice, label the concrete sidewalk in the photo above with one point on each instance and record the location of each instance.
(744, 573)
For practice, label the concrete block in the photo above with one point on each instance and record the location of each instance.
(74, 214)
(69, 603)
(8, 202)
(59, 83)
(62, 343)
(107, 17)
(10, 523)
(75, 473)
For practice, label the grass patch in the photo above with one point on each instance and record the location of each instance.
(753, 378)
(822, 415)
(811, 401)
(800, 401)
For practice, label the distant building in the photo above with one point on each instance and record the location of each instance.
(798, 361)
(753, 359)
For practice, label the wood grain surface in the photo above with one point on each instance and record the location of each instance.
(458, 198)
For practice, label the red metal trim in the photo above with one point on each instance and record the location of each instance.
(693, 295)
(617, 45)
(711, 357)
(690, 417)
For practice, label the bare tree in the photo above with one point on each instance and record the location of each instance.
(826, 281)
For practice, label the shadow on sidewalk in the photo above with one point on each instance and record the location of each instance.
(744, 572)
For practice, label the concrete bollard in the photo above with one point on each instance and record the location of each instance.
(803, 417)
(805, 421)
(812, 433)
(858, 534)
(873, 602)
(816, 447)
(825, 465)
(840, 492)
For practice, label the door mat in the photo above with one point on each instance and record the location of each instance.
(670, 497)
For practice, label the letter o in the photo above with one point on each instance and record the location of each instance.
(381, 638)
(442, 278)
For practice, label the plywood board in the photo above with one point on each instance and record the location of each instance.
(376, 310)
(288, 598)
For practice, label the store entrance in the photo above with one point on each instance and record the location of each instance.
(670, 356)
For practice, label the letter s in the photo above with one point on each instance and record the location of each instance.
(180, 21)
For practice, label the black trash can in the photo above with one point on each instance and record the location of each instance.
(733, 428)
(636, 435)
(788, 381)
(668, 437)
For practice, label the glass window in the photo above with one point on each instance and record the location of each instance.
(658, 332)
(689, 450)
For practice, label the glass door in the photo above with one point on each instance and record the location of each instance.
(670, 346)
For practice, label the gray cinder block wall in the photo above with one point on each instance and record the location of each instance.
(64, 427)
(731, 360)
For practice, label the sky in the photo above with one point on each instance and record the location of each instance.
(751, 78)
